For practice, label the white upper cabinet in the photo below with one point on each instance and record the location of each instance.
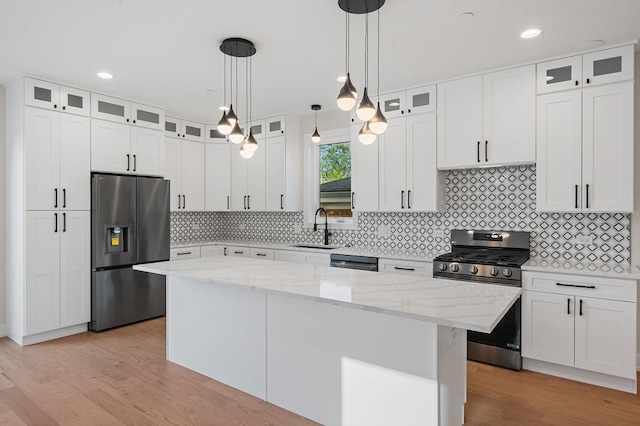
(459, 122)
(275, 126)
(218, 176)
(189, 130)
(275, 173)
(43, 94)
(120, 148)
(364, 173)
(408, 177)
(585, 150)
(123, 111)
(57, 160)
(421, 99)
(487, 120)
(211, 133)
(601, 67)
(259, 128)
(185, 162)
(248, 180)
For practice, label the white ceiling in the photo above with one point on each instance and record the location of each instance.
(166, 52)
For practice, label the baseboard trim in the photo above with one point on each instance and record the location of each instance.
(3, 331)
(638, 363)
(571, 373)
(50, 335)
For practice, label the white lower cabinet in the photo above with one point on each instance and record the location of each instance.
(407, 267)
(582, 322)
(260, 253)
(58, 267)
(291, 256)
(213, 250)
(239, 251)
(179, 253)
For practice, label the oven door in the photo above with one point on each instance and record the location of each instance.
(502, 346)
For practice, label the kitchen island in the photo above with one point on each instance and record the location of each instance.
(335, 345)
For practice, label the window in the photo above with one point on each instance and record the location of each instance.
(328, 178)
(335, 178)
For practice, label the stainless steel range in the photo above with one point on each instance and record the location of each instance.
(489, 257)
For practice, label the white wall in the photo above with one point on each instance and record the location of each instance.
(3, 315)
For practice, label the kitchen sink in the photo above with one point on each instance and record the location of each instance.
(315, 246)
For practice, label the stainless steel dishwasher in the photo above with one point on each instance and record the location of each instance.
(347, 261)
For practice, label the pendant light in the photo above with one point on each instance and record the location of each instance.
(348, 93)
(315, 137)
(366, 109)
(250, 144)
(378, 123)
(236, 48)
(224, 125)
(365, 135)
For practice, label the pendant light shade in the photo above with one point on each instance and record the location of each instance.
(366, 110)
(224, 126)
(232, 117)
(236, 135)
(365, 135)
(378, 123)
(315, 137)
(347, 96)
(245, 152)
(250, 143)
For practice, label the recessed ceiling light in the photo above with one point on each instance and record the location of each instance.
(223, 108)
(531, 33)
(466, 16)
(342, 78)
(591, 44)
(105, 75)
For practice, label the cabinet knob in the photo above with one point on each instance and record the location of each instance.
(577, 83)
(64, 107)
(134, 121)
(127, 120)
(588, 80)
(55, 105)
(409, 110)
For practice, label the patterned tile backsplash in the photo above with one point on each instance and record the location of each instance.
(488, 198)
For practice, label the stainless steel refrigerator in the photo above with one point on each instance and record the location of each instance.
(129, 225)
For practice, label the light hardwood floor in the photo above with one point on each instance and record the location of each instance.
(121, 377)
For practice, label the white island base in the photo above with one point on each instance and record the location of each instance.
(329, 363)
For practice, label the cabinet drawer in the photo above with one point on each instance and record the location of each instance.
(262, 253)
(581, 286)
(179, 253)
(212, 250)
(406, 267)
(239, 251)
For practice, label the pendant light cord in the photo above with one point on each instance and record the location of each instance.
(246, 92)
(237, 78)
(366, 50)
(224, 85)
(250, 89)
(346, 42)
(378, 16)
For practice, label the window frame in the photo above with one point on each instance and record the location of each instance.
(312, 178)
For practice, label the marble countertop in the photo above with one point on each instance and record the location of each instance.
(470, 306)
(591, 269)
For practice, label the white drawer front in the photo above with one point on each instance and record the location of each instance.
(184, 253)
(262, 253)
(582, 286)
(239, 251)
(406, 267)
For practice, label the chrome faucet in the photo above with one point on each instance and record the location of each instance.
(326, 224)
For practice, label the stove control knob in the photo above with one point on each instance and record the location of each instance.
(473, 269)
(506, 272)
(493, 271)
(455, 267)
(442, 266)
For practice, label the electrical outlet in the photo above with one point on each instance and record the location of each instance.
(195, 226)
(584, 239)
(384, 230)
(242, 226)
(438, 233)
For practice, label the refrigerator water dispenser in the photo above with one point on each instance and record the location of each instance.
(117, 238)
